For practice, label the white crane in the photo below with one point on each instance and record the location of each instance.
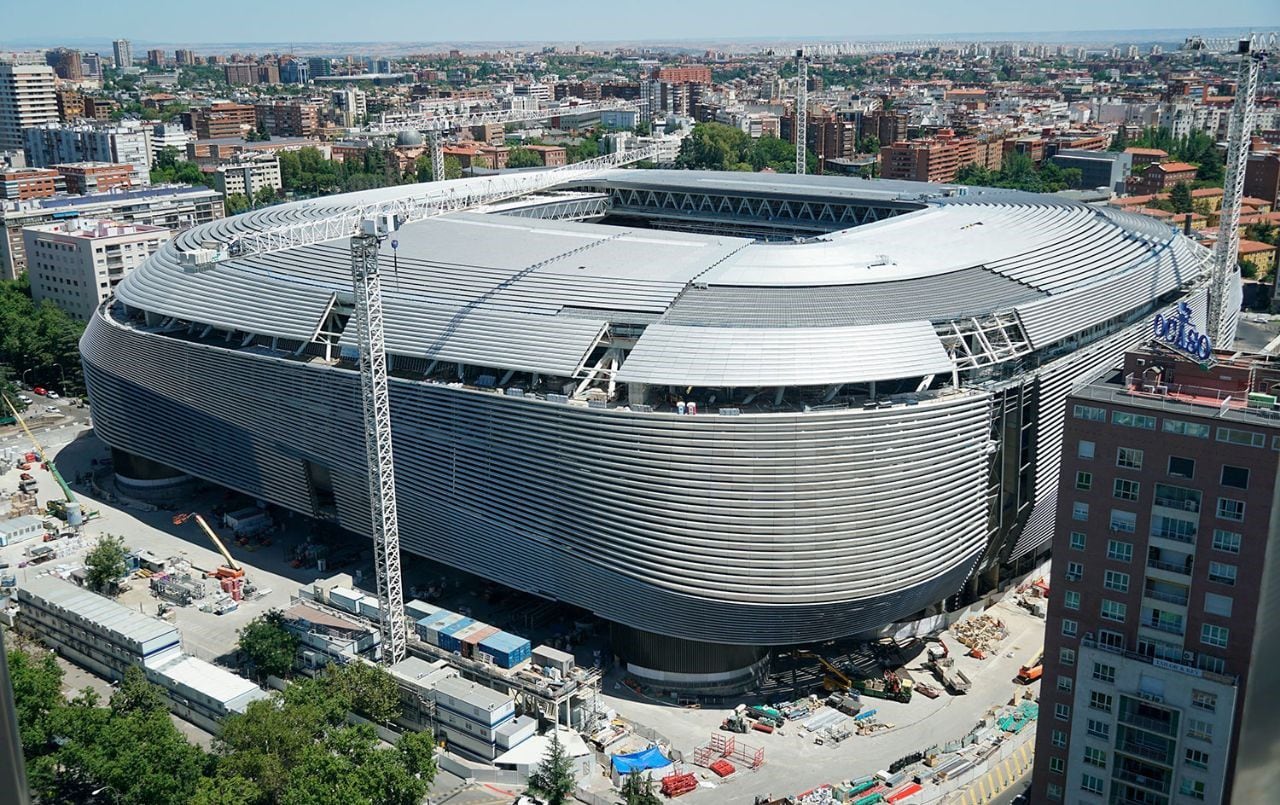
(1253, 51)
(368, 226)
(804, 55)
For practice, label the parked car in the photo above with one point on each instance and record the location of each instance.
(53, 395)
(38, 390)
(25, 399)
(53, 409)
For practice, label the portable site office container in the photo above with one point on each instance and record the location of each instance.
(417, 610)
(472, 638)
(345, 599)
(508, 650)
(448, 635)
(432, 630)
(368, 607)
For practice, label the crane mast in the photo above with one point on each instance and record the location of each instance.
(1252, 52)
(376, 403)
(435, 141)
(802, 110)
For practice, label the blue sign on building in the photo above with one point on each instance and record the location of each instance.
(1179, 332)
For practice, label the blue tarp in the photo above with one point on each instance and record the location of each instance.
(651, 758)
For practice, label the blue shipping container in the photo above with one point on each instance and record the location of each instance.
(507, 650)
(448, 641)
(430, 624)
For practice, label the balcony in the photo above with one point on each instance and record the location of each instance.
(1168, 627)
(1180, 504)
(1179, 599)
(1181, 568)
(1173, 536)
(1152, 783)
(1154, 753)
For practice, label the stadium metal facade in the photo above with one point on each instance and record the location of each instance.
(878, 371)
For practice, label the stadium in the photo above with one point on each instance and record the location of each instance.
(724, 412)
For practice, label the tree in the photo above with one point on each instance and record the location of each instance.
(870, 144)
(365, 689)
(554, 780)
(137, 695)
(523, 158)
(264, 196)
(1180, 197)
(37, 694)
(106, 565)
(33, 338)
(637, 790)
(1120, 141)
(268, 645)
(236, 203)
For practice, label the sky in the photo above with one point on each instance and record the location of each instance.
(301, 21)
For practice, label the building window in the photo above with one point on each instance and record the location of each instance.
(1174, 528)
(1177, 497)
(1099, 729)
(1078, 541)
(1071, 599)
(1197, 759)
(1124, 522)
(1084, 481)
(1237, 477)
(1075, 571)
(1069, 627)
(1129, 458)
(1062, 712)
(1095, 757)
(1208, 662)
(1200, 729)
(1182, 467)
(1084, 449)
(1114, 611)
(1099, 701)
(1220, 605)
(1079, 511)
(1064, 684)
(1212, 635)
(1230, 509)
(1204, 700)
(1228, 541)
(1222, 573)
(1058, 738)
(1066, 656)
(1091, 783)
(1181, 428)
(1090, 413)
(1104, 673)
(1191, 788)
(1115, 580)
(1054, 792)
(1110, 639)
(1119, 551)
(1125, 489)
(1128, 420)
(1243, 437)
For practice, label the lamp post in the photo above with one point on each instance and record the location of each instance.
(62, 376)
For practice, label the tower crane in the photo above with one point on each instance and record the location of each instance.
(368, 226)
(70, 508)
(1253, 51)
(804, 55)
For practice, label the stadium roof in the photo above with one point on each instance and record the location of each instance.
(856, 304)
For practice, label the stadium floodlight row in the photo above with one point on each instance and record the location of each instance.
(736, 412)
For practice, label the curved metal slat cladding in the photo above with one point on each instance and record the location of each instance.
(752, 529)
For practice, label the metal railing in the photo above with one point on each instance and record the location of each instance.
(1160, 626)
(1151, 783)
(1169, 598)
(1173, 567)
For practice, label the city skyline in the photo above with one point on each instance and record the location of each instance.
(556, 21)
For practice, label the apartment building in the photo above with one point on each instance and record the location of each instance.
(1159, 652)
(248, 177)
(20, 184)
(685, 74)
(223, 120)
(168, 135)
(934, 159)
(288, 118)
(76, 264)
(1262, 177)
(59, 144)
(82, 178)
(174, 207)
(123, 53)
(1161, 177)
(70, 104)
(27, 98)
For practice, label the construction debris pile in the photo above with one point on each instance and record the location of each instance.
(980, 634)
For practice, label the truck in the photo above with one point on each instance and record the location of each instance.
(1032, 670)
(765, 715)
(893, 685)
(943, 666)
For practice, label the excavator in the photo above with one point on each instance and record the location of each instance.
(68, 509)
(835, 680)
(230, 570)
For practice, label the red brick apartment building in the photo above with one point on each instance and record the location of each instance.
(1162, 646)
(1161, 177)
(686, 74)
(20, 184)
